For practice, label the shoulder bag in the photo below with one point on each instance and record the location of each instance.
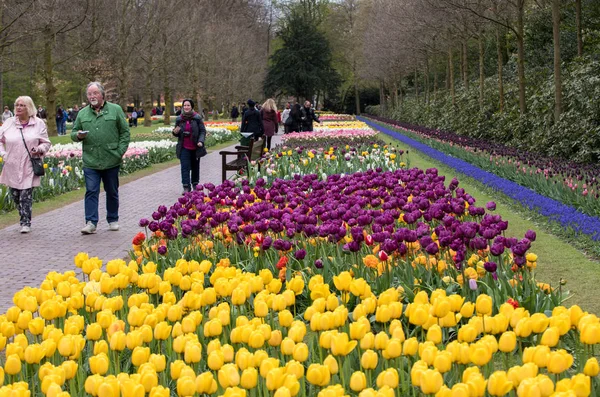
(36, 162)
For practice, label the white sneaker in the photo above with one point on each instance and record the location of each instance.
(25, 229)
(89, 228)
(113, 226)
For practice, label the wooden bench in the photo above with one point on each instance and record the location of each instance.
(243, 154)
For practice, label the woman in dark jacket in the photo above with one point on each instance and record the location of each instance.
(294, 120)
(252, 120)
(269, 117)
(190, 132)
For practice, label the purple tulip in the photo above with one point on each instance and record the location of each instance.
(490, 205)
(473, 284)
(144, 222)
(300, 254)
(162, 250)
(319, 264)
(490, 267)
(530, 235)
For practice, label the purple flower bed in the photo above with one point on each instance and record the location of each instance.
(567, 216)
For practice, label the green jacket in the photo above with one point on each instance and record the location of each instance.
(107, 139)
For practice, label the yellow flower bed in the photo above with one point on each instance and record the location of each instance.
(208, 327)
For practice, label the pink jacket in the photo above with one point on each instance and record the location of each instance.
(17, 171)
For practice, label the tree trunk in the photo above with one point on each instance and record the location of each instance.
(435, 83)
(1, 79)
(427, 80)
(416, 85)
(168, 102)
(50, 89)
(356, 94)
(465, 67)
(558, 105)
(521, 52)
(481, 71)
(447, 82)
(356, 98)
(382, 105)
(122, 86)
(500, 69)
(401, 92)
(148, 95)
(451, 74)
(578, 24)
(395, 94)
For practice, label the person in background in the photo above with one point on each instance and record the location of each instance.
(177, 111)
(60, 115)
(294, 120)
(104, 133)
(252, 121)
(308, 116)
(134, 117)
(235, 113)
(74, 113)
(285, 115)
(41, 113)
(268, 114)
(21, 137)
(7, 114)
(191, 133)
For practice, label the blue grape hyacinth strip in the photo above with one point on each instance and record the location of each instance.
(566, 215)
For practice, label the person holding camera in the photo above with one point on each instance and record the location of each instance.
(103, 131)
(22, 138)
(190, 132)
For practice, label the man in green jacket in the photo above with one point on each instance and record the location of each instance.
(103, 131)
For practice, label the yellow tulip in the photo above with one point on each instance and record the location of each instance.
(12, 365)
(342, 281)
(507, 342)
(431, 381)
(249, 378)
(484, 304)
(369, 360)
(317, 375)
(591, 367)
(192, 352)
(389, 378)
(34, 353)
(99, 364)
(300, 352)
(118, 341)
(498, 384)
(341, 346)
(559, 361)
(331, 363)
(186, 386)
(229, 376)
(215, 360)
(206, 383)
(410, 347)
(434, 334)
(358, 381)
(158, 361)
(550, 337)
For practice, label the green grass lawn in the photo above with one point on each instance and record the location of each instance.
(557, 259)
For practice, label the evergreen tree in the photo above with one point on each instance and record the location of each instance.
(303, 65)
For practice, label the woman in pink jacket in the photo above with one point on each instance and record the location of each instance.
(18, 135)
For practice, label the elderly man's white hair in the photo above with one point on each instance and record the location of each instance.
(100, 87)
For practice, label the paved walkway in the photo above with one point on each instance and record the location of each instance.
(55, 238)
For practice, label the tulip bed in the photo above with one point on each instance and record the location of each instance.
(574, 184)
(373, 283)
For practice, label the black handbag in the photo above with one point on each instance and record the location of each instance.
(36, 162)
